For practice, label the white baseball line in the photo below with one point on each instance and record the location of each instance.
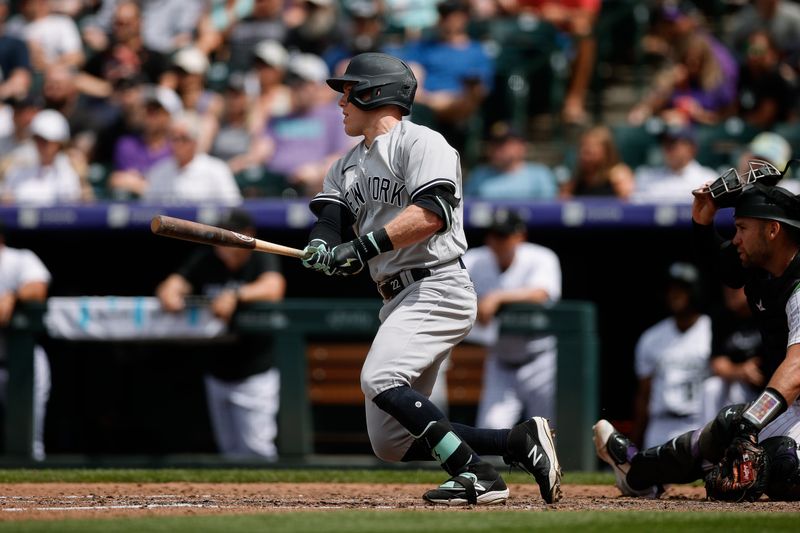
(109, 507)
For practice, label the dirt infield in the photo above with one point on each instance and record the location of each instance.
(26, 501)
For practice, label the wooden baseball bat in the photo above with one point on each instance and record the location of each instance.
(187, 230)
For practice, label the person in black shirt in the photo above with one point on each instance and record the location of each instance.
(735, 355)
(763, 258)
(767, 86)
(241, 384)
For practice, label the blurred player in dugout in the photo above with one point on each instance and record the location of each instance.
(24, 278)
(519, 376)
(242, 386)
(671, 362)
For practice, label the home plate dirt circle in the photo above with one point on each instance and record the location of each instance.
(26, 501)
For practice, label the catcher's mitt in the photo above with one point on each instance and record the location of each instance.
(741, 475)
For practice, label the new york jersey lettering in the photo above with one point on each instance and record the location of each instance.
(377, 189)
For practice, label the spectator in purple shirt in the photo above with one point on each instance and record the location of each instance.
(136, 153)
(307, 140)
(698, 88)
(696, 60)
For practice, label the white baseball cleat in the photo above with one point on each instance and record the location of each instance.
(612, 447)
(479, 484)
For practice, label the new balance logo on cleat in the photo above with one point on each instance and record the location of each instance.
(530, 447)
(532, 453)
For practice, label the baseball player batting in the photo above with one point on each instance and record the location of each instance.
(747, 450)
(400, 191)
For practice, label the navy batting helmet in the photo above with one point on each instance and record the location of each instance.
(771, 203)
(380, 79)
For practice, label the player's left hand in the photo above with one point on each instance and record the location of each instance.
(317, 256)
(346, 259)
(741, 475)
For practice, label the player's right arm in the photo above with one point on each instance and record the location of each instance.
(714, 254)
(414, 224)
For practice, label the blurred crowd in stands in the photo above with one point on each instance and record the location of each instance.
(220, 100)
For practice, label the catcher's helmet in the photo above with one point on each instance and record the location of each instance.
(380, 80)
(771, 203)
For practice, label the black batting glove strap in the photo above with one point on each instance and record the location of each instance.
(766, 408)
(373, 243)
(345, 259)
(351, 257)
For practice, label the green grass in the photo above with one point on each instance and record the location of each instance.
(427, 521)
(261, 475)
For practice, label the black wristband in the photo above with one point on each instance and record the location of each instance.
(766, 408)
(373, 243)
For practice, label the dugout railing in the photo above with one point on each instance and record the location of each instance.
(293, 322)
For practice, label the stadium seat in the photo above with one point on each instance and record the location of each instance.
(791, 132)
(619, 30)
(257, 182)
(637, 145)
(98, 174)
(718, 145)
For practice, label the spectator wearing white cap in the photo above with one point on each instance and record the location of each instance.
(307, 140)
(188, 77)
(189, 176)
(136, 152)
(47, 178)
(270, 59)
(774, 149)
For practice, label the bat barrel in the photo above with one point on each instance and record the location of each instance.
(196, 232)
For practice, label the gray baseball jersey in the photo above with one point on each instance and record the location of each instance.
(375, 184)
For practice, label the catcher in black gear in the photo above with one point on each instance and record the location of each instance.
(747, 450)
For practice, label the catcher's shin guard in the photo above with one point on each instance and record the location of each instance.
(784, 469)
(672, 462)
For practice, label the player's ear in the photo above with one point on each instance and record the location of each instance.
(773, 228)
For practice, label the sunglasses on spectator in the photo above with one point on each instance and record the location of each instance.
(181, 138)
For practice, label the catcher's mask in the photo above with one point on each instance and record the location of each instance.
(726, 189)
(380, 79)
